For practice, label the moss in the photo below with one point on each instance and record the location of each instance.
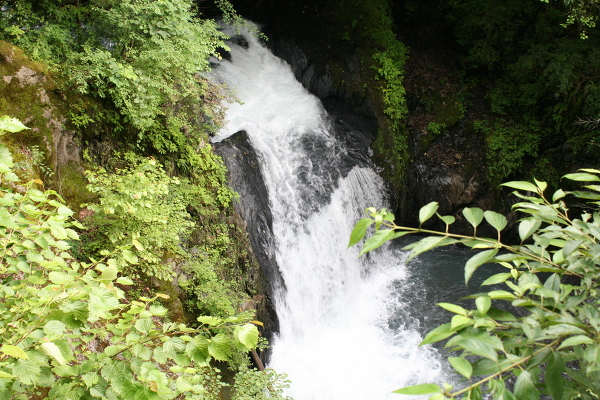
(71, 184)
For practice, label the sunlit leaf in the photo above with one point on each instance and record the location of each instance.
(380, 237)
(424, 388)
(476, 261)
(582, 177)
(359, 231)
(461, 366)
(521, 185)
(427, 211)
(440, 333)
(527, 227)
(453, 308)
(52, 350)
(11, 124)
(480, 348)
(447, 219)
(483, 304)
(496, 279)
(209, 320)
(473, 215)
(559, 194)
(247, 334)
(575, 341)
(498, 221)
(13, 351)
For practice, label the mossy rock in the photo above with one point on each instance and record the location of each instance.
(49, 150)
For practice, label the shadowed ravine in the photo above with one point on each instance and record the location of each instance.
(334, 308)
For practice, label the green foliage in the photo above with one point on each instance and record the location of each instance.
(66, 327)
(435, 128)
(551, 282)
(367, 27)
(141, 57)
(584, 13)
(173, 226)
(250, 384)
(143, 207)
(540, 74)
(508, 143)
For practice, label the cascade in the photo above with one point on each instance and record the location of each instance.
(334, 308)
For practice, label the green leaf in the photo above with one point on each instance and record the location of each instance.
(524, 387)
(144, 325)
(379, 238)
(496, 279)
(500, 315)
(555, 331)
(11, 124)
(453, 308)
(247, 334)
(541, 184)
(559, 194)
(473, 215)
(521, 185)
(209, 320)
(359, 231)
(554, 379)
(423, 388)
(462, 366)
(28, 371)
(123, 280)
(427, 244)
(575, 341)
(130, 256)
(459, 322)
(483, 304)
(582, 177)
(447, 219)
(527, 227)
(498, 221)
(437, 334)
(60, 278)
(427, 211)
(479, 347)
(570, 246)
(13, 351)
(6, 219)
(52, 350)
(109, 273)
(11, 176)
(476, 261)
(219, 347)
(6, 159)
(54, 328)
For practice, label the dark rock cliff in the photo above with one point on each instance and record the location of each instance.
(246, 179)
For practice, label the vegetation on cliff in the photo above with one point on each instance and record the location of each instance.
(116, 88)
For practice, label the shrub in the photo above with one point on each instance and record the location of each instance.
(551, 279)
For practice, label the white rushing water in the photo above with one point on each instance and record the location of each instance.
(334, 341)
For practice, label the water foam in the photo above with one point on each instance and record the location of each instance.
(335, 341)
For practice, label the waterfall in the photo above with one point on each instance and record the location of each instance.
(335, 339)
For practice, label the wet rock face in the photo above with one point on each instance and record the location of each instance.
(246, 179)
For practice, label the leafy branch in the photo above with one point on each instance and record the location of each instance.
(555, 322)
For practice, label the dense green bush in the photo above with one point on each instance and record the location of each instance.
(550, 342)
(143, 206)
(67, 329)
(142, 58)
(541, 77)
